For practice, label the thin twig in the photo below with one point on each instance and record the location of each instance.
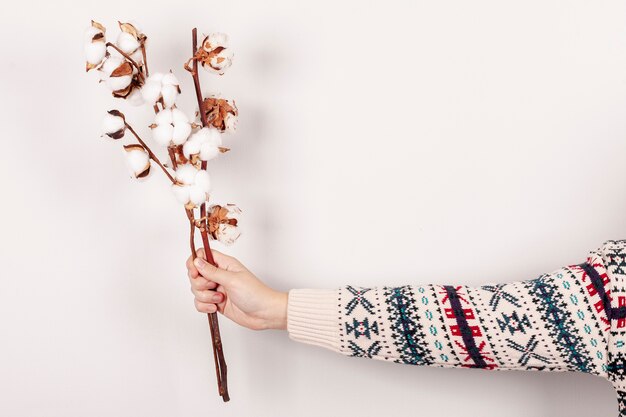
(150, 153)
(196, 79)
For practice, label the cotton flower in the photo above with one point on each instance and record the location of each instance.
(120, 76)
(162, 88)
(192, 185)
(95, 45)
(130, 40)
(223, 223)
(138, 160)
(114, 124)
(215, 55)
(221, 113)
(171, 126)
(205, 143)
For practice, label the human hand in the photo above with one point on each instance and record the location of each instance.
(235, 292)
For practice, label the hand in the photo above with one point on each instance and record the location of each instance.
(235, 292)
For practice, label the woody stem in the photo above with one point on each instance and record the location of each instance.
(218, 352)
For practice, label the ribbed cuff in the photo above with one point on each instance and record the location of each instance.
(313, 318)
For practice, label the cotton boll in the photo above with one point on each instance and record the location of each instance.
(169, 93)
(186, 174)
(137, 160)
(182, 127)
(210, 135)
(208, 151)
(151, 91)
(216, 39)
(162, 134)
(95, 45)
(179, 117)
(162, 87)
(170, 79)
(205, 142)
(224, 223)
(113, 125)
(95, 52)
(135, 98)
(127, 42)
(119, 83)
(191, 148)
(181, 193)
(203, 180)
(197, 195)
(137, 56)
(181, 133)
(111, 64)
(218, 55)
(90, 33)
(164, 117)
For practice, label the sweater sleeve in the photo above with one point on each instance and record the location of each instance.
(558, 321)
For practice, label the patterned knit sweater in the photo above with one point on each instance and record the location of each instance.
(572, 319)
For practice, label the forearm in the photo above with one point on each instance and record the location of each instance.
(556, 322)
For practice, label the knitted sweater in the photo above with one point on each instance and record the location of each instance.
(572, 319)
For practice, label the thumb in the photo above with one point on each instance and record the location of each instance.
(211, 272)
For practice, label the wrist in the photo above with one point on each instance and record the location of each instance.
(277, 319)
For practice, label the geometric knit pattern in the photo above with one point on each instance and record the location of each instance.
(571, 319)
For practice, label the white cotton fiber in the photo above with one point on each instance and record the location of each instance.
(203, 180)
(179, 117)
(95, 52)
(90, 32)
(161, 86)
(169, 93)
(181, 133)
(208, 151)
(112, 123)
(186, 174)
(119, 83)
(191, 148)
(137, 161)
(164, 117)
(135, 98)
(170, 79)
(162, 134)
(127, 42)
(151, 91)
(197, 195)
(205, 142)
(111, 64)
(181, 193)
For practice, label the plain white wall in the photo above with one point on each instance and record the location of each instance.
(379, 143)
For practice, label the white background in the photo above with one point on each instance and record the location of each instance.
(379, 143)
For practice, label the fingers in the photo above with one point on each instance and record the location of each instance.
(211, 272)
(201, 284)
(223, 261)
(208, 296)
(205, 307)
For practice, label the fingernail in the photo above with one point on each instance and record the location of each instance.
(217, 297)
(199, 263)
